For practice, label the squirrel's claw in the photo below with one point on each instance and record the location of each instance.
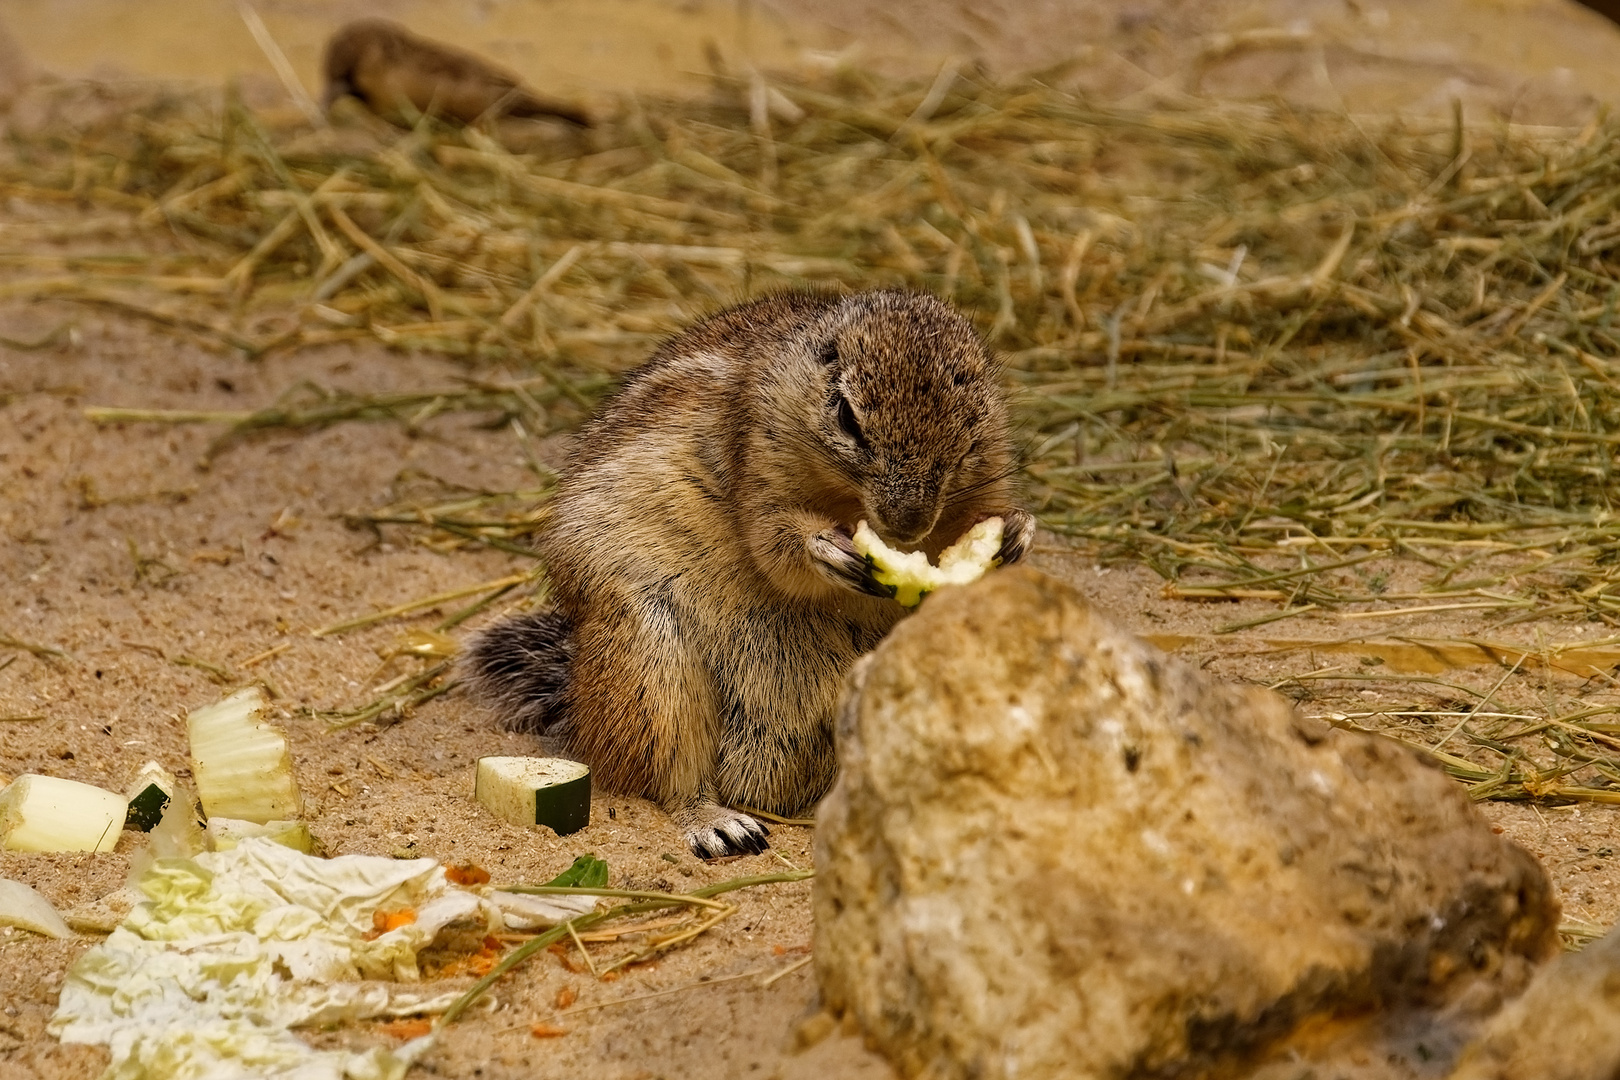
(835, 555)
(1017, 536)
(727, 833)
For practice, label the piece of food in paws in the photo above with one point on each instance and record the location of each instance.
(241, 762)
(45, 813)
(912, 576)
(554, 792)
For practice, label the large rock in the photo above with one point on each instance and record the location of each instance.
(1565, 1027)
(1055, 852)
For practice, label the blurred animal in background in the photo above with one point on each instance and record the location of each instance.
(400, 76)
(16, 73)
(1607, 8)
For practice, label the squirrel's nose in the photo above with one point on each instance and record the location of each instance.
(908, 522)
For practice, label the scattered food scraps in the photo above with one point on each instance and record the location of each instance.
(566, 957)
(585, 872)
(413, 1028)
(384, 921)
(524, 912)
(553, 792)
(241, 763)
(21, 906)
(45, 813)
(466, 874)
(225, 833)
(230, 950)
(151, 791)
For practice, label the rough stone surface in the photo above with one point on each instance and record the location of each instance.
(1055, 852)
(1565, 1027)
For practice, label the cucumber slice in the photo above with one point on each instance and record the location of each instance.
(152, 790)
(241, 763)
(43, 813)
(552, 792)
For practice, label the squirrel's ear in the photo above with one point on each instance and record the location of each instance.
(829, 353)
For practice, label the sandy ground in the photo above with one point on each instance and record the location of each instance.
(221, 581)
(118, 550)
(251, 554)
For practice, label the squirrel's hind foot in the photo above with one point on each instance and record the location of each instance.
(714, 831)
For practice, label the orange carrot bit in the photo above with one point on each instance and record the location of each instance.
(481, 962)
(547, 1031)
(411, 1028)
(466, 874)
(565, 957)
(566, 997)
(384, 921)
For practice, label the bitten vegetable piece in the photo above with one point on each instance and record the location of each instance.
(535, 791)
(154, 786)
(43, 813)
(241, 763)
(911, 575)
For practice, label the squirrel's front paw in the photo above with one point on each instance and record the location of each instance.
(1017, 535)
(835, 556)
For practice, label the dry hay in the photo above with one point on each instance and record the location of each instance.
(1254, 347)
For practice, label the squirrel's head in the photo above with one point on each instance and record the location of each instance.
(362, 43)
(911, 413)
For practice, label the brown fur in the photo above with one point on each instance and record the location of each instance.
(389, 68)
(699, 548)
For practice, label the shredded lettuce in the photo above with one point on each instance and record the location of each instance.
(232, 949)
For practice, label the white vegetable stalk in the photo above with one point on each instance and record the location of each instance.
(241, 763)
(43, 813)
(226, 833)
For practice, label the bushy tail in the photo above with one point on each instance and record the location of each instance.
(519, 667)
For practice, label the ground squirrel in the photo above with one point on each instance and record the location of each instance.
(709, 601)
(389, 68)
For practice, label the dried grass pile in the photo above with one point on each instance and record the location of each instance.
(1254, 347)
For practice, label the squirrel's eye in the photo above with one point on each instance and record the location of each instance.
(829, 353)
(848, 424)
